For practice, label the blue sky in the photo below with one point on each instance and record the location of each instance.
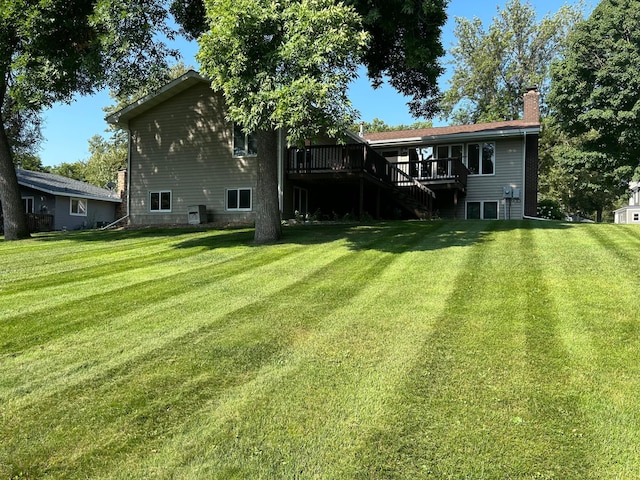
(67, 128)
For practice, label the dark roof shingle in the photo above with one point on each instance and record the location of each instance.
(59, 185)
(450, 130)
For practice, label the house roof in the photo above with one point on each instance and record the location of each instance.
(456, 132)
(121, 117)
(63, 186)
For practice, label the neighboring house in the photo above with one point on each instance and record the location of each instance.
(186, 162)
(631, 212)
(54, 202)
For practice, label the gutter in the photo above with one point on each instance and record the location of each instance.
(511, 132)
(60, 193)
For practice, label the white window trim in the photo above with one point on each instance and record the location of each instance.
(33, 204)
(482, 202)
(160, 209)
(246, 144)
(226, 199)
(306, 197)
(466, 160)
(80, 201)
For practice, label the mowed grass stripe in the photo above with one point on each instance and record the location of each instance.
(402, 350)
(316, 282)
(467, 402)
(61, 252)
(303, 417)
(603, 335)
(169, 306)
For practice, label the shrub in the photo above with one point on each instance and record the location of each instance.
(550, 209)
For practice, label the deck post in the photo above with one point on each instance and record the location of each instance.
(361, 197)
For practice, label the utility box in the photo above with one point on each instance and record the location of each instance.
(507, 192)
(516, 193)
(197, 214)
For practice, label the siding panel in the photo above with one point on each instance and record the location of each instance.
(185, 145)
(508, 171)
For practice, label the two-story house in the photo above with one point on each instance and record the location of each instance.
(185, 156)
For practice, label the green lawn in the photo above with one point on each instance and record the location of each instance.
(444, 350)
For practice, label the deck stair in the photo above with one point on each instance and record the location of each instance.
(335, 161)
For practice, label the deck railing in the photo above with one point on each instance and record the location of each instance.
(39, 222)
(451, 169)
(355, 158)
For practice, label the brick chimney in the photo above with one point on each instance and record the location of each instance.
(121, 191)
(532, 105)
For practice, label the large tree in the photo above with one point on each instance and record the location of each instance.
(281, 66)
(287, 65)
(582, 182)
(53, 50)
(494, 67)
(595, 97)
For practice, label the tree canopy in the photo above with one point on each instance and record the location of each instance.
(53, 50)
(595, 102)
(283, 64)
(596, 87)
(494, 67)
(404, 45)
(379, 125)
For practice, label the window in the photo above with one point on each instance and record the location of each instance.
(239, 199)
(446, 152)
(482, 210)
(79, 207)
(244, 144)
(160, 201)
(300, 200)
(481, 158)
(28, 204)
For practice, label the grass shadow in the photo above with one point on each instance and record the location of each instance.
(386, 236)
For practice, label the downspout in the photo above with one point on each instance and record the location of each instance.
(523, 201)
(128, 170)
(127, 201)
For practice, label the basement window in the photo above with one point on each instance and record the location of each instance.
(482, 210)
(239, 199)
(160, 201)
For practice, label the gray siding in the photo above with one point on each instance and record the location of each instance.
(97, 211)
(508, 171)
(184, 145)
(60, 207)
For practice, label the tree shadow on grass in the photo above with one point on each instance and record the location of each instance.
(390, 237)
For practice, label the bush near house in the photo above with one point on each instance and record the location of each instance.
(551, 210)
(485, 350)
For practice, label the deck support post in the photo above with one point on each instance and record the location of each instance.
(361, 212)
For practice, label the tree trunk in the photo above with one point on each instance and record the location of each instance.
(268, 226)
(599, 215)
(15, 220)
